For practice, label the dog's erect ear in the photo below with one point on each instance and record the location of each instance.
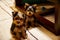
(14, 13)
(26, 5)
(35, 5)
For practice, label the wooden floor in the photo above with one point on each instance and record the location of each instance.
(50, 17)
(5, 24)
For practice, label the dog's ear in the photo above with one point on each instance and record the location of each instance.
(14, 13)
(26, 5)
(24, 16)
(34, 5)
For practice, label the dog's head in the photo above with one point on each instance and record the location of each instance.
(18, 19)
(30, 9)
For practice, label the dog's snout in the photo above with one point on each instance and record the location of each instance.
(29, 13)
(30, 10)
(18, 22)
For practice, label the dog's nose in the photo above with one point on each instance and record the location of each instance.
(30, 9)
(18, 22)
(29, 13)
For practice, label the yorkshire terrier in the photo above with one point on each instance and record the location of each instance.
(18, 29)
(30, 10)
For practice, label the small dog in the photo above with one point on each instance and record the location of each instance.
(30, 10)
(18, 29)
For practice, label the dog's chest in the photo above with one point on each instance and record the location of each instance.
(30, 18)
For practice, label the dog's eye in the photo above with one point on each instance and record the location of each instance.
(17, 18)
(21, 19)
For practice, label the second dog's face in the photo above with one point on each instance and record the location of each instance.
(30, 9)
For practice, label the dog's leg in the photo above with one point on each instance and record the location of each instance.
(26, 23)
(23, 30)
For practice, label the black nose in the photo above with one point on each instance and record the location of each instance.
(18, 22)
(30, 9)
(29, 13)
